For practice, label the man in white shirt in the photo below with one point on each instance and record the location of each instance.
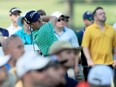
(14, 14)
(62, 32)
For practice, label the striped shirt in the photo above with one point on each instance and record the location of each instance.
(44, 37)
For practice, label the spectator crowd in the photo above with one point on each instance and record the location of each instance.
(66, 58)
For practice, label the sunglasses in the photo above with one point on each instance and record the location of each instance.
(90, 19)
(60, 20)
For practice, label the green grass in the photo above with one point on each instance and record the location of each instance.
(54, 5)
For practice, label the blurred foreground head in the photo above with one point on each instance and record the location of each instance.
(64, 52)
(100, 76)
(13, 46)
(39, 70)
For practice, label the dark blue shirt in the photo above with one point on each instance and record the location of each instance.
(4, 32)
(80, 38)
(70, 82)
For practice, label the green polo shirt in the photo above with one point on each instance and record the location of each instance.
(44, 37)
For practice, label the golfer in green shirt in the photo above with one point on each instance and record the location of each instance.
(43, 33)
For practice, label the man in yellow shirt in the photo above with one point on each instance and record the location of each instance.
(99, 40)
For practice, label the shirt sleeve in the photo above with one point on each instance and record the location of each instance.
(5, 33)
(51, 25)
(86, 38)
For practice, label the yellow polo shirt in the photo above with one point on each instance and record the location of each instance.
(100, 43)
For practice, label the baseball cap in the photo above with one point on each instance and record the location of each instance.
(4, 60)
(31, 16)
(31, 61)
(58, 46)
(100, 75)
(15, 11)
(57, 14)
(88, 15)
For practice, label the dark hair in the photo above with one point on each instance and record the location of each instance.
(94, 12)
(14, 11)
(41, 12)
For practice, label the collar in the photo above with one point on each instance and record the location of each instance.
(63, 31)
(95, 25)
(12, 27)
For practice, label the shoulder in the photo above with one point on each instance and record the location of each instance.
(81, 31)
(109, 26)
(91, 27)
(47, 27)
(4, 30)
(48, 24)
(10, 27)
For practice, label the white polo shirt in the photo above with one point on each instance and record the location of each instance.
(12, 29)
(68, 35)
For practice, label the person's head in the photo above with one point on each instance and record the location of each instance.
(65, 52)
(3, 71)
(33, 19)
(60, 20)
(13, 46)
(100, 76)
(41, 12)
(88, 18)
(66, 20)
(14, 14)
(99, 14)
(42, 71)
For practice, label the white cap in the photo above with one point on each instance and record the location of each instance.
(30, 61)
(4, 60)
(57, 14)
(100, 75)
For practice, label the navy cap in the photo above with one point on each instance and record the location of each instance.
(31, 16)
(88, 15)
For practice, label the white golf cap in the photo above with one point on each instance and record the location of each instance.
(57, 14)
(4, 60)
(100, 75)
(30, 61)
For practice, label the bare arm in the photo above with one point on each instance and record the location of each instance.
(88, 57)
(45, 18)
(76, 68)
(52, 19)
